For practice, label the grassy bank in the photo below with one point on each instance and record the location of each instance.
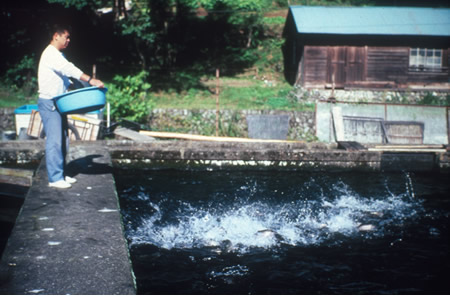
(233, 94)
(10, 98)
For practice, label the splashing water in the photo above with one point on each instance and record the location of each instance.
(254, 218)
(212, 232)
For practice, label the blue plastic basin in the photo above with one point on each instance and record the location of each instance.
(82, 100)
(26, 109)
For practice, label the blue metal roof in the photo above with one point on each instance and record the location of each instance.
(372, 20)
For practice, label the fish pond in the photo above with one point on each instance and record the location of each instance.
(286, 232)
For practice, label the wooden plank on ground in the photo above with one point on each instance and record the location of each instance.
(351, 146)
(338, 122)
(411, 146)
(22, 181)
(132, 135)
(16, 176)
(16, 172)
(408, 150)
(182, 136)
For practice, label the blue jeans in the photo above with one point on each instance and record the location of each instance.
(57, 140)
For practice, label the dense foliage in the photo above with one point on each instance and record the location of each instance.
(174, 42)
(167, 37)
(129, 97)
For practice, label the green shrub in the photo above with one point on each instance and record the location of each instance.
(22, 76)
(11, 98)
(129, 97)
(432, 99)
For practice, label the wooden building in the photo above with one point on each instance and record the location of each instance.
(367, 47)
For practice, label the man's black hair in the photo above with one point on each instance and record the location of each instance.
(60, 29)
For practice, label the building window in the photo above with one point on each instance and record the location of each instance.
(425, 58)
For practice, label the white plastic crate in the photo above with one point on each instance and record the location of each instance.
(88, 128)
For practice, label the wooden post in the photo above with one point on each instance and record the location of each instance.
(338, 123)
(448, 127)
(217, 101)
(108, 116)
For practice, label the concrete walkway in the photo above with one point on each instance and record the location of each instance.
(70, 241)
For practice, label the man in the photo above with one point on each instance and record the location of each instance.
(53, 80)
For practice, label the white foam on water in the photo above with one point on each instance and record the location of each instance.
(248, 224)
(230, 271)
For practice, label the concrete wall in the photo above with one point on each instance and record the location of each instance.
(434, 120)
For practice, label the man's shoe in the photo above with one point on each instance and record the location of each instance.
(61, 184)
(70, 180)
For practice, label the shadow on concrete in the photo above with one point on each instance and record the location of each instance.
(88, 166)
(414, 162)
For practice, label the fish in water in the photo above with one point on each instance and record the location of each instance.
(374, 214)
(370, 219)
(366, 227)
(224, 246)
(269, 233)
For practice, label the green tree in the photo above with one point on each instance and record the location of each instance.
(163, 31)
(79, 4)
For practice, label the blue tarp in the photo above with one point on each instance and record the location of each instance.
(372, 20)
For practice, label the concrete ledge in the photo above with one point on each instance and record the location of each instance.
(304, 156)
(315, 156)
(70, 241)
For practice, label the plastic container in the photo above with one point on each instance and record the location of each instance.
(8, 135)
(82, 100)
(22, 116)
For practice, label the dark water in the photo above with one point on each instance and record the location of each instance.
(207, 232)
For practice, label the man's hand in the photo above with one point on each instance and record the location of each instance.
(92, 81)
(96, 82)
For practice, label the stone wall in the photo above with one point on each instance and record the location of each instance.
(423, 96)
(7, 119)
(232, 122)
